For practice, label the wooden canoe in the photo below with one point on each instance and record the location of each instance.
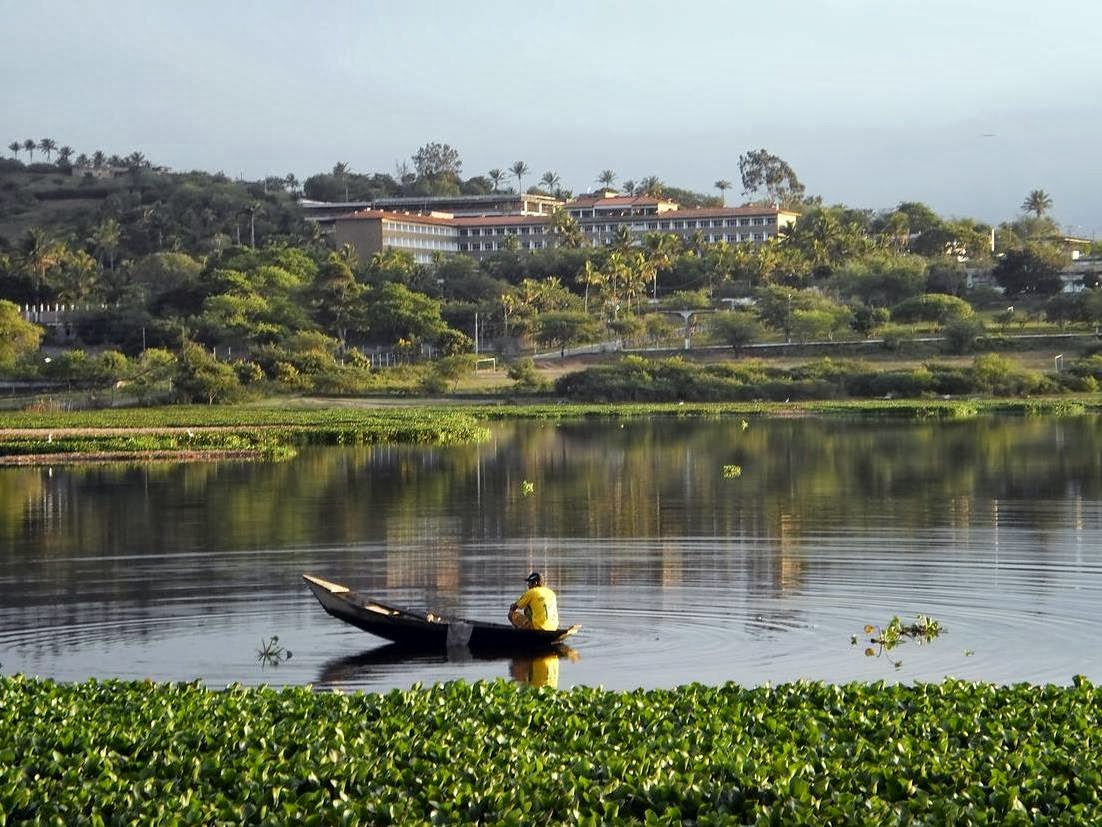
(428, 630)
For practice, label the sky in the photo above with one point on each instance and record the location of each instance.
(965, 105)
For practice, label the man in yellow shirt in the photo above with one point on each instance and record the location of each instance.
(537, 608)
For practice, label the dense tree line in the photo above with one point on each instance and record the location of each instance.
(228, 279)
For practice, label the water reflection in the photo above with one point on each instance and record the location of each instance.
(176, 571)
(372, 665)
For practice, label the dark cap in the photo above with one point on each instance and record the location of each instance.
(534, 579)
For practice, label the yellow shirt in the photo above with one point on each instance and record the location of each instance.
(542, 607)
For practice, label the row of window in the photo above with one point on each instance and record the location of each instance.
(418, 229)
(535, 229)
(490, 246)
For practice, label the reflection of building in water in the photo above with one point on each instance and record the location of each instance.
(421, 553)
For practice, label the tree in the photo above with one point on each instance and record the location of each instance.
(566, 327)
(496, 176)
(64, 154)
(519, 169)
(736, 329)
(15, 146)
(98, 158)
(722, 185)
(651, 185)
(566, 230)
(202, 378)
(1033, 270)
(105, 239)
(937, 308)
(763, 171)
(341, 171)
(291, 182)
(48, 145)
(30, 145)
(396, 312)
(18, 337)
(39, 256)
(436, 160)
(1037, 202)
(606, 178)
(551, 181)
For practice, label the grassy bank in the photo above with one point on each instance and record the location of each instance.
(257, 432)
(803, 753)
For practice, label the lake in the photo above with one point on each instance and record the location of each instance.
(690, 550)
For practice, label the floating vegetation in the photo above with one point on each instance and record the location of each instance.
(235, 432)
(886, 638)
(527, 488)
(271, 653)
(953, 752)
(732, 472)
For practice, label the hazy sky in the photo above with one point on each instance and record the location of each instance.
(966, 105)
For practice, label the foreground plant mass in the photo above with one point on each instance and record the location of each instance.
(805, 753)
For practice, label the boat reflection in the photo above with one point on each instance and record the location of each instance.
(535, 669)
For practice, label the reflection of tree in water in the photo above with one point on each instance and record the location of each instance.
(636, 478)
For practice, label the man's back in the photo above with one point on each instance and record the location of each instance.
(542, 606)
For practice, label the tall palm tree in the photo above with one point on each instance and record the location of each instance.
(629, 187)
(496, 176)
(606, 178)
(30, 145)
(39, 255)
(722, 185)
(64, 154)
(1037, 202)
(82, 160)
(105, 239)
(519, 169)
(15, 146)
(340, 171)
(98, 158)
(48, 145)
(551, 180)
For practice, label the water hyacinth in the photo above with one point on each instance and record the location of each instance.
(803, 753)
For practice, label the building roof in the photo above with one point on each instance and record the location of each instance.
(586, 201)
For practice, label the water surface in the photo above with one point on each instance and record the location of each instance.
(689, 550)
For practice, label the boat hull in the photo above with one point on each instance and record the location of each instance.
(427, 631)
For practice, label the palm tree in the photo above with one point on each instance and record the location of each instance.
(722, 185)
(15, 146)
(38, 255)
(291, 182)
(590, 276)
(1037, 202)
(98, 157)
(340, 171)
(105, 239)
(519, 169)
(82, 160)
(496, 176)
(606, 178)
(30, 145)
(651, 185)
(48, 145)
(629, 187)
(64, 154)
(551, 180)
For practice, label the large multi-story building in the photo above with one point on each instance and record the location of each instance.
(601, 218)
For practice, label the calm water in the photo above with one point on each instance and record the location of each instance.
(689, 550)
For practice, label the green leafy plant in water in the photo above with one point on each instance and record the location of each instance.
(732, 472)
(886, 638)
(271, 653)
(527, 488)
